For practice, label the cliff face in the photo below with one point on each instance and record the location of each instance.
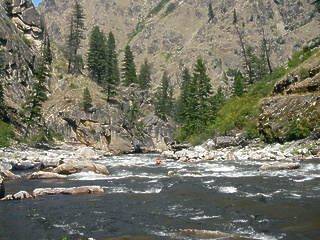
(22, 34)
(174, 35)
(105, 126)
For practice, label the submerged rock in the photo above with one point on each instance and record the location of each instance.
(72, 167)
(280, 166)
(46, 175)
(68, 191)
(18, 196)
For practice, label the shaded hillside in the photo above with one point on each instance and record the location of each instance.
(172, 34)
(22, 35)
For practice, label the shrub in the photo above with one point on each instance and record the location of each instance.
(6, 132)
(297, 129)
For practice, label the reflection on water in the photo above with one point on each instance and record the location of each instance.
(142, 202)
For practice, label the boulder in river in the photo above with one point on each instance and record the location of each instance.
(67, 191)
(72, 167)
(46, 175)
(7, 175)
(280, 166)
(24, 165)
(18, 196)
(2, 188)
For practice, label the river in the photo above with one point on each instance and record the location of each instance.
(141, 202)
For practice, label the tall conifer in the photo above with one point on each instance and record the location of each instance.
(76, 34)
(129, 72)
(144, 78)
(97, 54)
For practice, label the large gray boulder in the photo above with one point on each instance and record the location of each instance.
(72, 167)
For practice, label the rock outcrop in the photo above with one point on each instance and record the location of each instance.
(294, 108)
(22, 35)
(72, 167)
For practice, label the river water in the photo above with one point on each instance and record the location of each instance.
(141, 202)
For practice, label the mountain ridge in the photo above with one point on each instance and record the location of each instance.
(174, 41)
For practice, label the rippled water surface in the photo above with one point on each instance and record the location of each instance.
(142, 202)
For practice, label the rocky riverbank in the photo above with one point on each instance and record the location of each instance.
(238, 148)
(66, 159)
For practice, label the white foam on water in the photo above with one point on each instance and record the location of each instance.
(87, 176)
(204, 217)
(228, 189)
(69, 228)
(303, 180)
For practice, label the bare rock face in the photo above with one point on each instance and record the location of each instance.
(280, 166)
(72, 167)
(22, 35)
(67, 191)
(45, 175)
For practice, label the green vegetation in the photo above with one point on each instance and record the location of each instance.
(140, 26)
(241, 113)
(129, 72)
(76, 34)
(31, 109)
(87, 100)
(26, 41)
(144, 77)
(171, 7)
(157, 8)
(163, 99)
(6, 133)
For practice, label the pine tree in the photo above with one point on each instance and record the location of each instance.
(76, 34)
(183, 107)
(97, 55)
(129, 72)
(87, 100)
(163, 98)
(235, 17)
(31, 109)
(133, 114)
(113, 74)
(265, 52)
(144, 78)
(238, 84)
(210, 13)
(202, 96)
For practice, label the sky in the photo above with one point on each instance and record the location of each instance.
(36, 2)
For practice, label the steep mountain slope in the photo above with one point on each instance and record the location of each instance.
(174, 34)
(105, 125)
(22, 34)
